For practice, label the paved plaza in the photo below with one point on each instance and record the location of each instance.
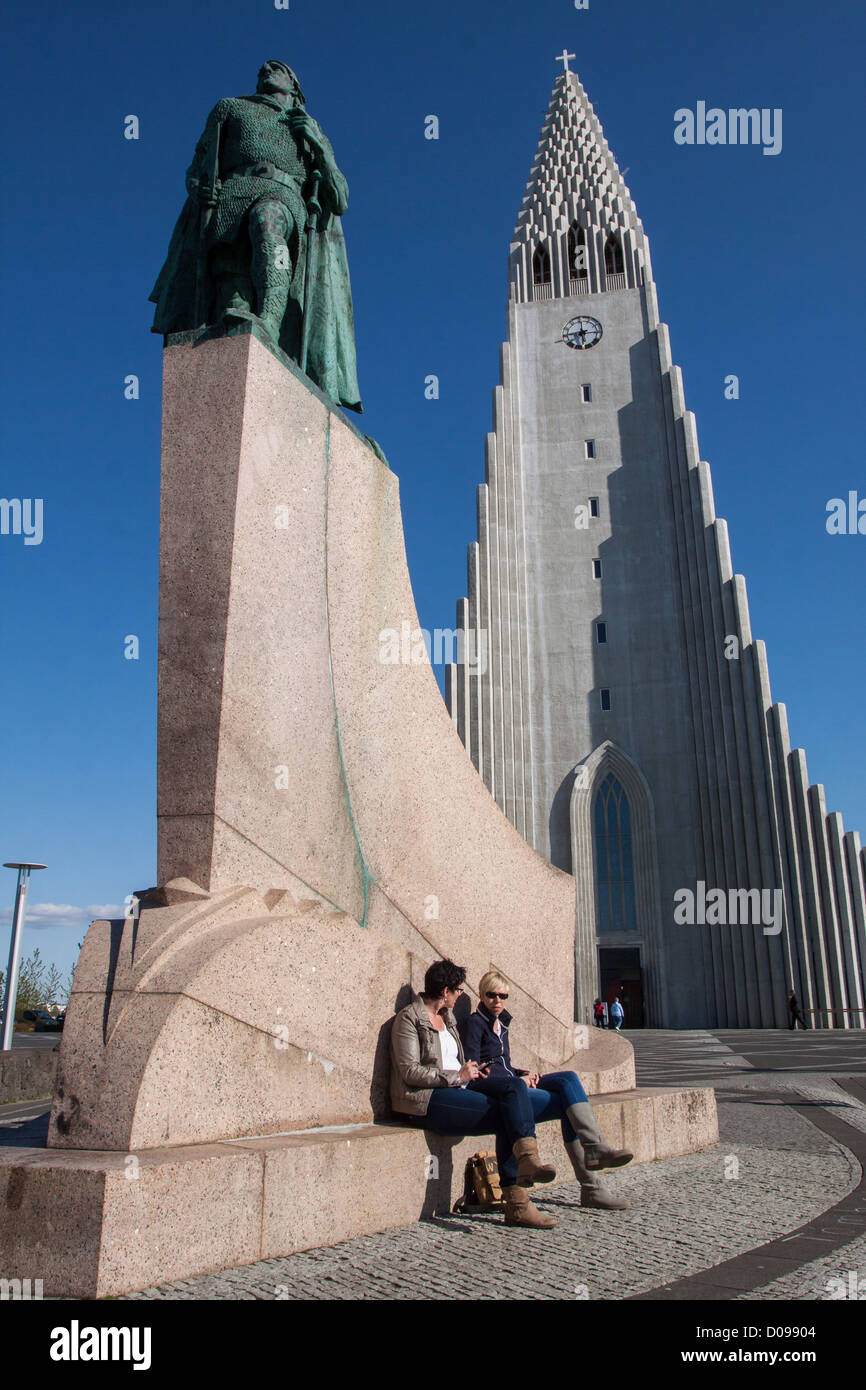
(760, 1206)
(775, 1211)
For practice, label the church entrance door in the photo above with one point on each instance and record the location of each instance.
(621, 977)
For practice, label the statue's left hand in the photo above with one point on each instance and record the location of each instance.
(301, 124)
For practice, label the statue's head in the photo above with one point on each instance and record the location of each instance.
(275, 76)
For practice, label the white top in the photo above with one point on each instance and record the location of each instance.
(448, 1048)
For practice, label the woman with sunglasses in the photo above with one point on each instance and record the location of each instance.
(432, 1081)
(557, 1095)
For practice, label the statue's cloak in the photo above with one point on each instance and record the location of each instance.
(331, 359)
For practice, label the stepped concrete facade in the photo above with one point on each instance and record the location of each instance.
(221, 1094)
(622, 716)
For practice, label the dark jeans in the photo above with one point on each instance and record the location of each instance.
(499, 1105)
(507, 1107)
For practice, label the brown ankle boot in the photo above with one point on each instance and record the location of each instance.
(529, 1169)
(519, 1211)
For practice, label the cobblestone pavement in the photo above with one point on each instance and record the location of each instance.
(771, 1172)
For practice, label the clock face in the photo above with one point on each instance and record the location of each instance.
(582, 332)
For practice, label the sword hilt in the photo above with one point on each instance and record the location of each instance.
(314, 207)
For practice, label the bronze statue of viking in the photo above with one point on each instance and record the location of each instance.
(260, 238)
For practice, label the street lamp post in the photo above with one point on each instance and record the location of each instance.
(15, 952)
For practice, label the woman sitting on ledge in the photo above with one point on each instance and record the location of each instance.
(431, 1080)
(557, 1095)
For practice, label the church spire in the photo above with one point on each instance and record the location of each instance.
(578, 231)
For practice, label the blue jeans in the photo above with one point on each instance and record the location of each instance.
(498, 1105)
(508, 1108)
(552, 1096)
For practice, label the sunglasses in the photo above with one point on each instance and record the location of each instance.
(491, 994)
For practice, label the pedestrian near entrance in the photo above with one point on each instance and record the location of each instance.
(617, 1013)
(598, 1014)
(795, 1013)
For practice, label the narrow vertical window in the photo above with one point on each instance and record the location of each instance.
(577, 252)
(541, 266)
(589, 446)
(605, 699)
(601, 636)
(613, 258)
(613, 858)
(596, 569)
(593, 506)
(586, 391)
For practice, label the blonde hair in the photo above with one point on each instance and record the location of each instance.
(490, 981)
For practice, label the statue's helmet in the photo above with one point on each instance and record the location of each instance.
(276, 63)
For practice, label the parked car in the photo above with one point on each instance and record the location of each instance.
(43, 1021)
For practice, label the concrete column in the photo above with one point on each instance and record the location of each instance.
(811, 886)
(739, 974)
(735, 716)
(857, 885)
(461, 675)
(769, 831)
(485, 687)
(518, 624)
(504, 535)
(845, 917)
(800, 972)
(722, 981)
(497, 786)
(829, 918)
(451, 696)
(476, 682)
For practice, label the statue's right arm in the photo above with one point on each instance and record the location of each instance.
(199, 171)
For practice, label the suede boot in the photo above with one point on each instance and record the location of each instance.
(592, 1193)
(602, 1199)
(519, 1211)
(529, 1169)
(596, 1153)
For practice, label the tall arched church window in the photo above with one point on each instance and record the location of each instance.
(541, 266)
(613, 858)
(613, 257)
(577, 252)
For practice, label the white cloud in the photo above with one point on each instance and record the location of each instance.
(62, 914)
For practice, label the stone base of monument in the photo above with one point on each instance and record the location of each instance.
(27, 1074)
(323, 836)
(91, 1224)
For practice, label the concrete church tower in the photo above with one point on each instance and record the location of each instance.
(621, 713)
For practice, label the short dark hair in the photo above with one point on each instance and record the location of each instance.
(442, 975)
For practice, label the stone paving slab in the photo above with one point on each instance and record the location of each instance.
(688, 1214)
(832, 1278)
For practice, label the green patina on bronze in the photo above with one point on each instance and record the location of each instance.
(260, 239)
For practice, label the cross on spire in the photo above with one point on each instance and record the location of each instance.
(563, 58)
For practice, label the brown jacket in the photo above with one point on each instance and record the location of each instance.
(416, 1059)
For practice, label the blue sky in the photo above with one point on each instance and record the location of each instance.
(757, 261)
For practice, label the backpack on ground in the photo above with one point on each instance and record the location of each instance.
(481, 1187)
